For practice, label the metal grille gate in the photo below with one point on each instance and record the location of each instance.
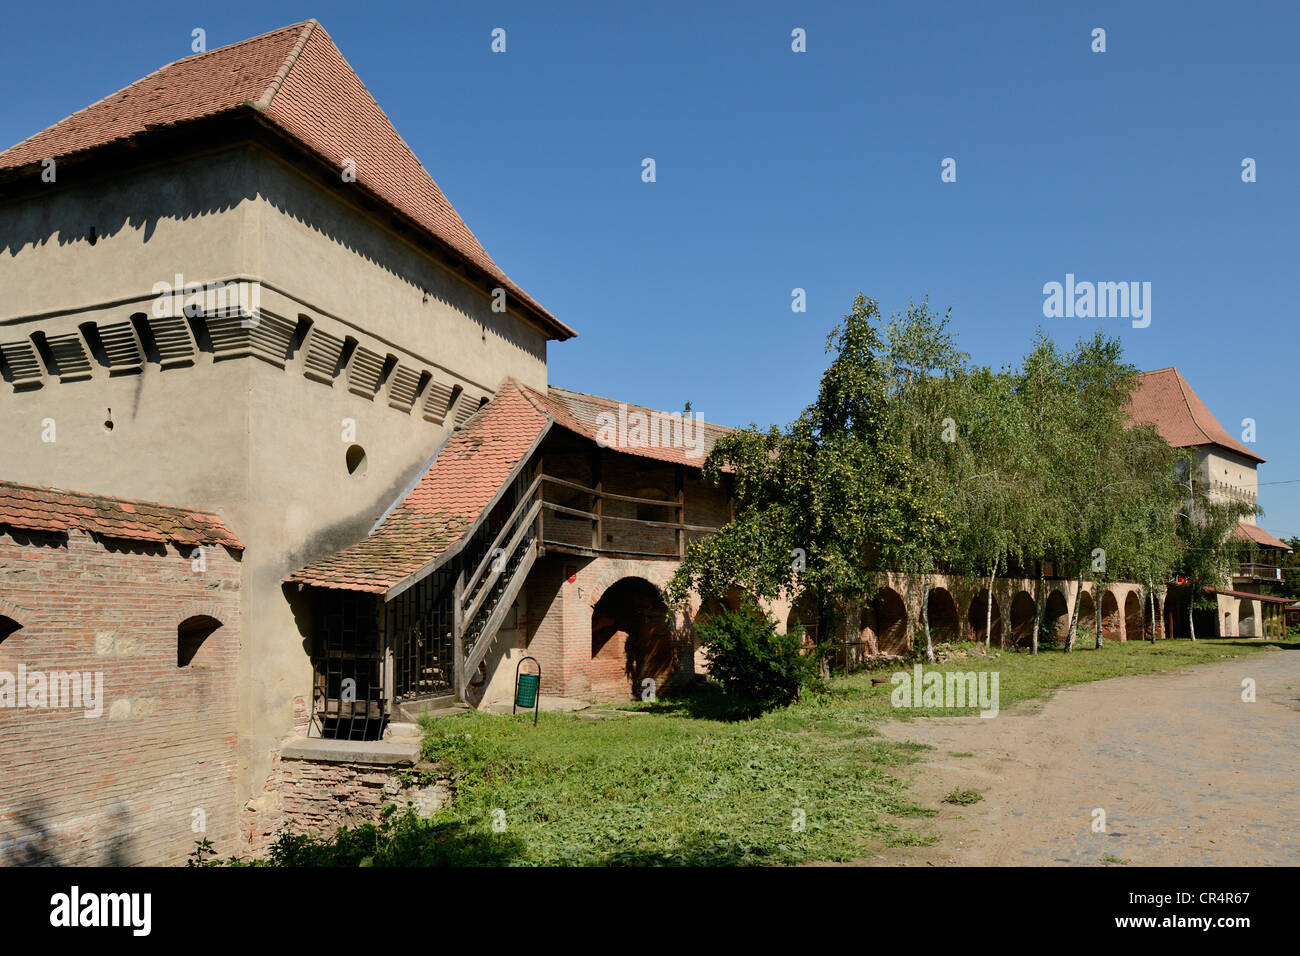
(421, 620)
(348, 700)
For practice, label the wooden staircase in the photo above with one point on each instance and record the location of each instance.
(484, 598)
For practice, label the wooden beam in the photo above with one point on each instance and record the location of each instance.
(458, 637)
(681, 513)
(597, 499)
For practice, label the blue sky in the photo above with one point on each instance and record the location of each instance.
(818, 170)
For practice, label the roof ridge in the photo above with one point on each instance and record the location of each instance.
(362, 174)
(153, 73)
(1191, 412)
(528, 393)
(263, 102)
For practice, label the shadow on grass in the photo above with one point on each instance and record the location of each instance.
(700, 702)
(703, 850)
(1247, 642)
(405, 841)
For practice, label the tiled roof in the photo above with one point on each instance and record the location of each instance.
(32, 508)
(464, 477)
(297, 78)
(1164, 399)
(591, 416)
(1253, 532)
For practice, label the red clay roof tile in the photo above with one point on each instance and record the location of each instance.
(447, 500)
(1253, 532)
(464, 478)
(32, 508)
(297, 78)
(1163, 398)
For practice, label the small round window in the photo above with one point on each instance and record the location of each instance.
(356, 460)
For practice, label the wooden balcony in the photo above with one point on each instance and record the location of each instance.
(1250, 571)
(578, 519)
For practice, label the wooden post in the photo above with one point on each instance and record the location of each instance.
(458, 636)
(541, 496)
(597, 504)
(681, 513)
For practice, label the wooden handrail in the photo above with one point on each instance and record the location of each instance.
(486, 589)
(552, 506)
(524, 499)
(661, 502)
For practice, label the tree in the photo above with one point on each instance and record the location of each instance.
(838, 486)
(1206, 529)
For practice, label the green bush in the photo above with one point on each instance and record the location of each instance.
(752, 661)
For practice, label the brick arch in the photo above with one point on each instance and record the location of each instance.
(1056, 614)
(977, 617)
(945, 619)
(15, 612)
(1110, 616)
(1134, 624)
(617, 572)
(630, 638)
(1087, 611)
(213, 611)
(1024, 611)
(12, 612)
(887, 620)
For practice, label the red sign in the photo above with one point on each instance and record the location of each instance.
(571, 573)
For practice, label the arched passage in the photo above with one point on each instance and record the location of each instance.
(1246, 619)
(1087, 614)
(1133, 626)
(886, 621)
(1151, 611)
(1023, 612)
(978, 618)
(630, 640)
(1110, 617)
(945, 623)
(1056, 619)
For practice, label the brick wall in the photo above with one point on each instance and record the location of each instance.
(559, 625)
(319, 797)
(155, 770)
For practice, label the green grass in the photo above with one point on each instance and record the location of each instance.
(681, 785)
(963, 798)
(698, 780)
(1022, 676)
(693, 781)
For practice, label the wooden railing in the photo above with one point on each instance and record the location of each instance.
(483, 596)
(1262, 572)
(480, 602)
(599, 518)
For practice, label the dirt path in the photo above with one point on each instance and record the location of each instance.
(1186, 772)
